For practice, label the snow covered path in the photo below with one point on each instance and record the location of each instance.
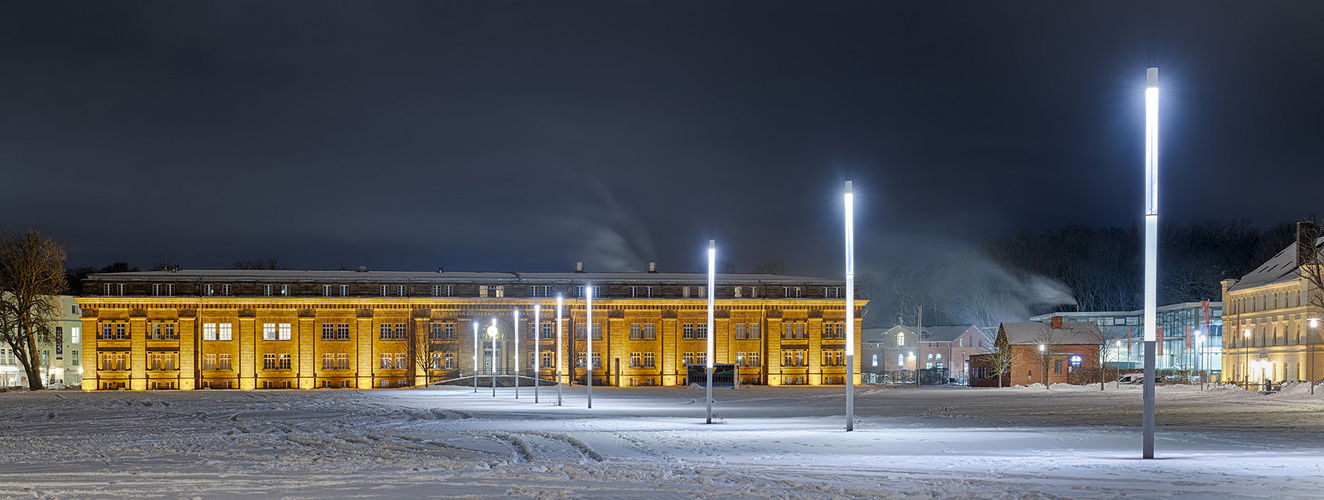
(652, 443)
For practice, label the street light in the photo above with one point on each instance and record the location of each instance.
(516, 330)
(475, 323)
(1199, 356)
(1310, 349)
(558, 349)
(492, 334)
(588, 335)
(1151, 253)
(1245, 357)
(537, 348)
(850, 307)
(712, 263)
(1042, 349)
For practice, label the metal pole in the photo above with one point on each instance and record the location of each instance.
(1151, 252)
(516, 353)
(712, 265)
(850, 308)
(491, 332)
(1310, 349)
(558, 350)
(537, 348)
(475, 323)
(588, 336)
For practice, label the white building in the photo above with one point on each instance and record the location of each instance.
(60, 361)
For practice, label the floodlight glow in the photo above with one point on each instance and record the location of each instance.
(1246, 333)
(1314, 322)
(1041, 348)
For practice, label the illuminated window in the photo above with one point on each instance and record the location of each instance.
(224, 332)
(648, 360)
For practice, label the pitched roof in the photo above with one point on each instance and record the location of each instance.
(944, 333)
(1279, 269)
(1068, 334)
(290, 275)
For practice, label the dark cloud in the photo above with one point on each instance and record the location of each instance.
(526, 136)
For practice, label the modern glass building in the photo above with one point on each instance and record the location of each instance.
(1192, 335)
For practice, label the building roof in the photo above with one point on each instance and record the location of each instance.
(301, 276)
(1279, 269)
(944, 333)
(1067, 334)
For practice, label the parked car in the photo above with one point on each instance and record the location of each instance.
(1137, 379)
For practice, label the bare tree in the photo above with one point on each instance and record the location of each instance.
(1310, 269)
(426, 350)
(770, 267)
(271, 264)
(31, 278)
(1043, 351)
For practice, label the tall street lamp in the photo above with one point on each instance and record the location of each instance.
(492, 334)
(712, 263)
(588, 335)
(1199, 356)
(537, 348)
(475, 323)
(1245, 358)
(1310, 343)
(559, 301)
(849, 199)
(1151, 252)
(516, 334)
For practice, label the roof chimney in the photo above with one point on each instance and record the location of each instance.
(440, 270)
(652, 267)
(1307, 232)
(579, 266)
(1057, 322)
(363, 269)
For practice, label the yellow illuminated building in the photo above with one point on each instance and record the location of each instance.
(368, 329)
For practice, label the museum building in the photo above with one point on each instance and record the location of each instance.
(190, 329)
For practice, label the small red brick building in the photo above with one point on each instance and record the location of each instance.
(1058, 351)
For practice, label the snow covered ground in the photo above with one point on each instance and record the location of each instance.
(789, 442)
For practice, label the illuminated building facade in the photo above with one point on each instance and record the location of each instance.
(362, 329)
(59, 359)
(1267, 315)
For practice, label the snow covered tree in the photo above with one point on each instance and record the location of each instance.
(31, 278)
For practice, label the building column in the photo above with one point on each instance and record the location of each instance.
(308, 355)
(187, 328)
(670, 361)
(814, 330)
(90, 358)
(363, 335)
(137, 352)
(247, 337)
(773, 358)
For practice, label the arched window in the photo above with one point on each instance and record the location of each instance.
(900, 362)
(900, 339)
(875, 360)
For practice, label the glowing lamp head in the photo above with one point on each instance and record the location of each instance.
(1041, 347)
(1314, 322)
(1246, 333)
(491, 331)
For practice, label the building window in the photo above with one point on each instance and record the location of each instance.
(328, 361)
(636, 359)
(597, 331)
(547, 331)
(387, 360)
(266, 290)
(209, 331)
(208, 290)
(402, 290)
(701, 358)
(701, 331)
(634, 291)
(223, 362)
(739, 331)
(546, 359)
(735, 292)
(753, 331)
(385, 288)
(344, 290)
(342, 361)
(687, 331)
(284, 290)
(648, 360)
(225, 290)
(685, 292)
(1075, 362)
(326, 290)
(1057, 366)
(208, 361)
(223, 332)
(900, 339)
(648, 292)
(649, 331)
(482, 290)
(752, 359)
(284, 361)
(688, 358)
(268, 361)
(436, 290)
(740, 359)
(636, 331)
(400, 360)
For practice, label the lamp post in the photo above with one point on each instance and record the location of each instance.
(1199, 356)
(1310, 350)
(1043, 356)
(492, 334)
(558, 349)
(588, 336)
(712, 263)
(475, 322)
(849, 199)
(1151, 252)
(516, 330)
(1245, 358)
(537, 348)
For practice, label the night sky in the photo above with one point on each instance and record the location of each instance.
(512, 136)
